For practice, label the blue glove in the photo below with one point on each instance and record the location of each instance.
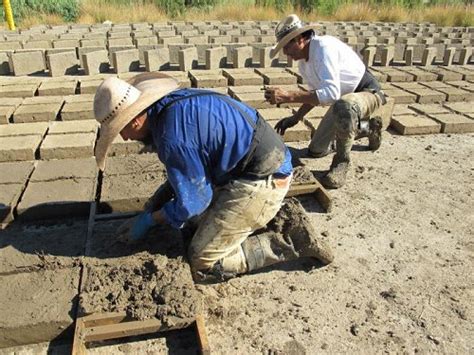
(141, 224)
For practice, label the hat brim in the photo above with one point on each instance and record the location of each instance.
(109, 132)
(285, 40)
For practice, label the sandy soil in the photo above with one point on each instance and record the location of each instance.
(401, 233)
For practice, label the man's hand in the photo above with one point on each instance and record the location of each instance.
(275, 95)
(135, 228)
(286, 123)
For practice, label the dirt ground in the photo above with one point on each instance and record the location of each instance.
(401, 231)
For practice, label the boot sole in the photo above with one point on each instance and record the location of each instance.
(375, 133)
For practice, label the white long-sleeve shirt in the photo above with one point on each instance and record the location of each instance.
(332, 70)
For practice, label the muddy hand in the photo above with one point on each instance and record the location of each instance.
(274, 95)
(285, 123)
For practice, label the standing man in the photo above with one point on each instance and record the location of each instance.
(224, 165)
(337, 77)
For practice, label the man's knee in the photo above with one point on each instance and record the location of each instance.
(347, 114)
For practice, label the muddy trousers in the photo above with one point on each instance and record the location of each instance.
(238, 209)
(341, 122)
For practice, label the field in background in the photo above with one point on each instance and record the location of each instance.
(444, 13)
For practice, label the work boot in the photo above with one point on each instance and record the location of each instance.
(336, 176)
(375, 133)
(289, 236)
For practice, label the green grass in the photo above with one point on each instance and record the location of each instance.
(441, 12)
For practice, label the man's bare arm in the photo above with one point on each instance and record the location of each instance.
(275, 95)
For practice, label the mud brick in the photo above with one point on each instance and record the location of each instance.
(445, 74)
(10, 45)
(216, 57)
(276, 77)
(253, 99)
(419, 74)
(58, 169)
(62, 146)
(24, 129)
(6, 113)
(435, 84)
(65, 43)
(89, 86)
(77, 111)
(145, 41)
(124, 41)
(22, 90)
(317, 112)
(275, 113)
(65, 127)
(297, 133)
(299, 77)
(460, 107)
(24, 248)
(96, 62)
(116, 196)
(66, 87)
(65, 63)
(84, 50)
(381, 77)
(219, 39)
(244, 89)
(387, 56)
(241, 77)
(402, 110)
(121, 147)
(454, 123)
(9, 196)
(182, 77)
(394, 75)
(126, 60)
(36, 100)
(28, 317)
(242, 56)
(15, 148)
(428, 109)
(400, 96)
(188, 59)
(368, 56)
(428, 56)
(36, 113)
(206, 79)
(466, 85)
(454, 94)
(15, 172)
(167, 41)
(9, 101)
(264, 58)
(88, 98)
(157, 59)
(57, 198)
(412, 124)
(427, 95)
(92, 42)
(133, 164)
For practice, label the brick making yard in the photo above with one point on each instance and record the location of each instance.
(401, 229)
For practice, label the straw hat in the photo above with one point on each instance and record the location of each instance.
(117, 102)
(290, 27)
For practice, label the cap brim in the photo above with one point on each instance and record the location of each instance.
(109, 132)
(285, 40)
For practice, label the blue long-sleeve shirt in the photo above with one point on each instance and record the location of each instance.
(200, 140)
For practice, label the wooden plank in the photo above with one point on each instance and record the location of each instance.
(324, 199)
(78, 345)
(97, 319)
(296, 190)
(204, 346)
(114, 215)
(132, 328)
